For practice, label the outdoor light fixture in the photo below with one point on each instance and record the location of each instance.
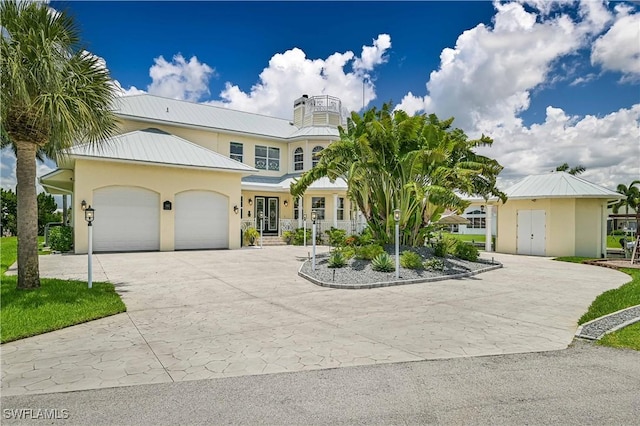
(261, 217)
(286, 203)
(304, 227)
(314, 216)
(89, 215)
(482, 208)
(83, 205)
(396, 217)
(236, 209)
(250, 201)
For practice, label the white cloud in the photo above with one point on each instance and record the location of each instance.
(179, 79)
(132, 90)
(619, 48)
(609, 146)
(486, 81)
(291, 74)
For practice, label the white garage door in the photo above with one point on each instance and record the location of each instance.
(127, 219)
(201, 220)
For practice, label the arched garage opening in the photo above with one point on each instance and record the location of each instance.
(127, 219)
(201, 220)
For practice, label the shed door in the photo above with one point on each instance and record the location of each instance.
(531, 232)
(201, 220)
(127, 218)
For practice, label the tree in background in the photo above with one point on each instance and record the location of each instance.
(632, 199)
(47, 211)
(413, 163)
(54, 94)
(9, 212)
(579, 169)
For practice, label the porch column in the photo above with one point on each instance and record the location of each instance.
(488, 226)
(64, 209)
(335, 210)
(300, 211)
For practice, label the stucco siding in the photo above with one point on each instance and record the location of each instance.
(166, 181)
(589, 226)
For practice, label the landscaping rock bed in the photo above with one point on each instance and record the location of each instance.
(359, 273)
(595, 329)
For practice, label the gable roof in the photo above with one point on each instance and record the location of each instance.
(558, 185)
(158, 147)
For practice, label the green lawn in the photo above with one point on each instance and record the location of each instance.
(57, 304)
(614, 300)
(466, 237)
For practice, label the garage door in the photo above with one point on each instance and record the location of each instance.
(127, 219)
(201, 220)
(531, 232)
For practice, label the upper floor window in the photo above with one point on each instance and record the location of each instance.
(298, 159)
(314, 154)
(235, 151)
(267, 158)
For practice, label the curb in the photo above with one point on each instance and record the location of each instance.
(611, 330)
(315, 281)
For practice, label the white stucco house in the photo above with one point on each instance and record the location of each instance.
(181, 175)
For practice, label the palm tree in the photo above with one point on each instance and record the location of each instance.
(632, 197)
(54, 94)
(579, 169)
(392, 160)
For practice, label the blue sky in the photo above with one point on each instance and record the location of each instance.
(551, 82)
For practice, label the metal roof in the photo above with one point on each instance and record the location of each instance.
(558, 185)
(156, 146)
(172, 111)
(283, 183)
(316, 131)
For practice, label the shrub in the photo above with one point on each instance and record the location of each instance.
(466, 251)
(336, 236)
(383, 263)
(411, 260)
(298, 237)
(366, 237)
(287, 236)
(337, 259)
(368, 252)
(251, 235)
(61, 238)
(617, 232)
(434, 264)
(444, 246)
(352, 240)
(347, 252)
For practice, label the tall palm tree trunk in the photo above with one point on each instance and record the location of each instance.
(28, 274)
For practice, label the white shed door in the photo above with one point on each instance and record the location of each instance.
(201, 220)
(126, 219)
(531, 232)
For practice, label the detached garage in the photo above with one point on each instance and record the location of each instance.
(555, 214)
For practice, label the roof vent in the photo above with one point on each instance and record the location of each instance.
(167, 109)
(305, 96)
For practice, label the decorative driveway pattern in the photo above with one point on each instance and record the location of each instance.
(206, 314)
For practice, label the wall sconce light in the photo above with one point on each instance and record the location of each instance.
(236, 209)
(482, 208)
(250, 201)
(286, 203)
(248, 213)
(83, 205)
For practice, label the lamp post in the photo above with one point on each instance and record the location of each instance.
(314, 216)
(396, 217)
(304, 227)
(261, 217)
(89, 215)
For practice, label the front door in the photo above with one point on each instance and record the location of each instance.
(269, 206)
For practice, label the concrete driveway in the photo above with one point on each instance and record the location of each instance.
(207, 314)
